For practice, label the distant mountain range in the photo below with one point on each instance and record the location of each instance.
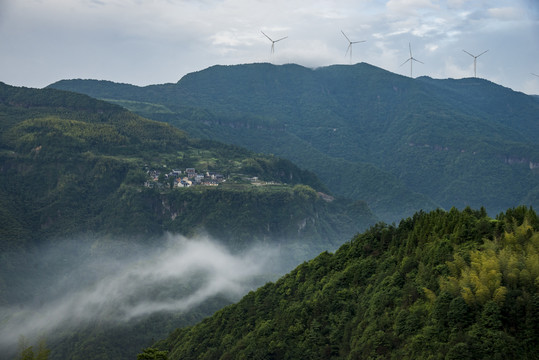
(400, 144)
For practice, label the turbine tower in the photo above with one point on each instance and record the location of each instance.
(411, 60)
(475, 61)
(350, 43)
(273, 41)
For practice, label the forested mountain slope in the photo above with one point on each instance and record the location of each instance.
(64, 153)
(74, 168)
(400, 144)
(443, 285)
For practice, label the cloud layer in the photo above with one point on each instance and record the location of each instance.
(118, 288)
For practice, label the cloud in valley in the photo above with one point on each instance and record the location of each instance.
(118, 288)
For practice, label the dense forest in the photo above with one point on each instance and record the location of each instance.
(400, 144)
(440, 285)
(103, 255)
(70, 161)
(73, 168)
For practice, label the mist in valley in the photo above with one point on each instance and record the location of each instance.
(67, 285)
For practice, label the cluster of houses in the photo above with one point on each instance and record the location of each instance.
(187, 178)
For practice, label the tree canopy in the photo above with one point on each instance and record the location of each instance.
(442, 285)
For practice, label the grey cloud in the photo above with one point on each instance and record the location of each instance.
(114, 288)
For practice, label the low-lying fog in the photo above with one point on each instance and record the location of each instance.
(70, 283)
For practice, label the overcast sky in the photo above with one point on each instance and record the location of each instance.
(146, 42)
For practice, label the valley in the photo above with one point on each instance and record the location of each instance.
(264, 211)
(75, 210)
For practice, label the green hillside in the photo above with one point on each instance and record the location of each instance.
(400, 144)
(74, 168)
(440, 285)
(64, 153)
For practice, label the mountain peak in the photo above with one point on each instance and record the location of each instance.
(352, 124)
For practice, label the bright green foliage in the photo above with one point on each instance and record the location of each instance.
(441, 285)
(509, 262)
(152, 354)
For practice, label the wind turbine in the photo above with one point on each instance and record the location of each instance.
(534, 74)
(411, 60)
(273, 41)
(350, 45)
(475, 61)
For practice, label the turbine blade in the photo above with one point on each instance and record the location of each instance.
(281, 39)
(410, 46)
(348, 49)
(405, 62)
(481, 53)
(355, 42)
(418, 60)
(266, 36)
(468, 53)
(345, 36)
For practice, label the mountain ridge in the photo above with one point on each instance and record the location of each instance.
(427, 137)
(438, 285)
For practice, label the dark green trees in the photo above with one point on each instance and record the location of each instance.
(441, 285)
